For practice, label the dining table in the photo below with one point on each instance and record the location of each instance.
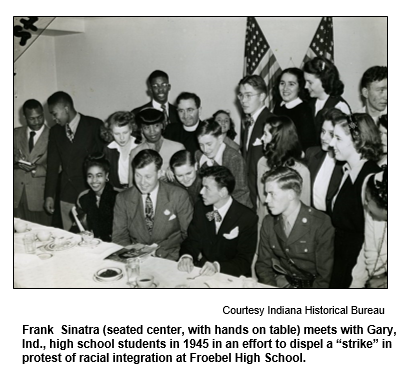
(76, 265)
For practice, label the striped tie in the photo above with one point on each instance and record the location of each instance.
(149, 213)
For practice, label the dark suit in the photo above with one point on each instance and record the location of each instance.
(70, 157)
(315, 157)
(233, 255)
(173, 213)
(173, 115)
(309, 245)
(254, 153)
(177, 133)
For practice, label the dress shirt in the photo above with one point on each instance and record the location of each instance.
(340, 105)
(292, 217)
(123, 161)
(291, 104)
(158, 106)
(321, 183)
(222, 211)
(375, 118)
(74, 123)
(37, 133)
(250, 130)
(153, 197)
(217, 159)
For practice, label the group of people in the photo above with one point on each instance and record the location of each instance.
(301, 202)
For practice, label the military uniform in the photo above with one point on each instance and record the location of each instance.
(305, 257)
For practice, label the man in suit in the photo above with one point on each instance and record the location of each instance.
(159, 87)
(30, 145)
(188, 108)
(71, 140)
(153, 211)
(252, 94)
(222, 236)
(296, 241)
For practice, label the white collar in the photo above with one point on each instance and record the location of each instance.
(37, 132)
(224, 209)
(74, 123)
(158, 106)
(115, 145)
(191, 128)
(292, 104)
(217, 158)
(354, 171)
(256, 114)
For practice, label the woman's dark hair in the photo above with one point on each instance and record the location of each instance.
(327, 72)
(181, 158)
(284, 148)
(98, 160)
(299, 74)
(120, 118)
(231, 133)
(378, 189)
(383, 121)
(209, 126)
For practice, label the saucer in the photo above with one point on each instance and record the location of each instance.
(155, 284)
(50, 246)
(93, 243)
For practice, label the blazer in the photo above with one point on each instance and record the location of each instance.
(70, 156)
(254, 153)
(232, 160)
(309, 245)
(315, 157)
(173, 213)
(234, 255)
(34, 185)
(173, 115)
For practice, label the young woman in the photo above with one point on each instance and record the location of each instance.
(281, 148)
(357, 142)
(325, 87)
(117, 130)
(215, 152)
(291, 96)
(223, 118)
(97, 203)
(371, 270)
(383, 127)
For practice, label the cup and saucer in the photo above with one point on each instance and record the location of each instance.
(145, 281)
(88, 239)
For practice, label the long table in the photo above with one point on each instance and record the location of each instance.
(75, 267)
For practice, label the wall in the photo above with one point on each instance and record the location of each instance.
(105, 68)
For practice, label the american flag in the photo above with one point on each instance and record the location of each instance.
(322, 43)
(259, 58)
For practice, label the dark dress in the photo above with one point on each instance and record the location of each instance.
(303, 119)
(99, 218)
(348, 220)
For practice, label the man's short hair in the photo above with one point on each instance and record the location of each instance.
(149, 116)
(373, 74)
(146, 157)
(256, 81)
(32, 104)
(60, 98)
(157, 74)
(286, 177)
(222, 176)
(189, 96)
(182, 158)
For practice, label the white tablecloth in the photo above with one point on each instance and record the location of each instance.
(75, 267)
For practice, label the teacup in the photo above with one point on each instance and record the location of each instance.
(20, 226)
(44, 235)
(144, 281)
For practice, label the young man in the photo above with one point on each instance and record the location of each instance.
(374, 89)
(31, 144)
(222, 236)
(252, 93)
(296, 241)
(71, 140)
(153, 211)
(159, 87)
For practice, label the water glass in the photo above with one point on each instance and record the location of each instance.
(29, 243)
(133, 268)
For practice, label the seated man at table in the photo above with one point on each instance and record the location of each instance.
(222, 236)
(296, 241)
(152, 211)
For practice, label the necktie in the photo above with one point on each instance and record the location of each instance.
(149, 213)
(287, 227)
(69, 133)
(248, 122)
(31, 141)
(163, 106)
(214, 215)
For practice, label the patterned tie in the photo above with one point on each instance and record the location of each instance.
(248, 122)
(31, 141)
(214, 215)
(149, 213)
(69, 133)
(163, 106)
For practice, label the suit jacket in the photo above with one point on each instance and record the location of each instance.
(34, 185)
(173, 213)
(254, 153)
(233, 255)
(315, 157)
(309, 245)
(70, 157)
(173, 115)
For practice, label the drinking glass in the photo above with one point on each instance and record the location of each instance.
(29, 243)
(133, 269)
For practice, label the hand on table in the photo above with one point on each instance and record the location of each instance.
(185, 264)
(208, 269)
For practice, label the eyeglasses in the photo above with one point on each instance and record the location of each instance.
(248, 95)
(163, 85)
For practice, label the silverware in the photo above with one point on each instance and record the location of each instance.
(192, 278)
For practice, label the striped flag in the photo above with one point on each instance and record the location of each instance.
(322, 43)
(259, 58)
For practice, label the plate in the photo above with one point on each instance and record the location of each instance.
(44, 256)
(93, 243)
(66, 245)
(108, 274)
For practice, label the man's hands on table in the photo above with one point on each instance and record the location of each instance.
(186, 264)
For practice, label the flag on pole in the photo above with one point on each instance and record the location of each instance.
(322, 43)
(259, 58)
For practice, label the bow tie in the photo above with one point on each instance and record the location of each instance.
(214, 215)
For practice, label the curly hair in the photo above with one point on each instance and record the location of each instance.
(378, 190)
(96, 160)
(120, 118)
(299, 74)
(327, 72)
(284, 148)
(231, 133)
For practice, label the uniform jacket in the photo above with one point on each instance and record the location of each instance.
(234, 255)
(309, 245)
(69, 156)
(34, 185)
(173, 213)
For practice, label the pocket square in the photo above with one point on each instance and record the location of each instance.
(172, 217)
(232, 234)
(258, 142)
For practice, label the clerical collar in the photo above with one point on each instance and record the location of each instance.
(192, 128)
